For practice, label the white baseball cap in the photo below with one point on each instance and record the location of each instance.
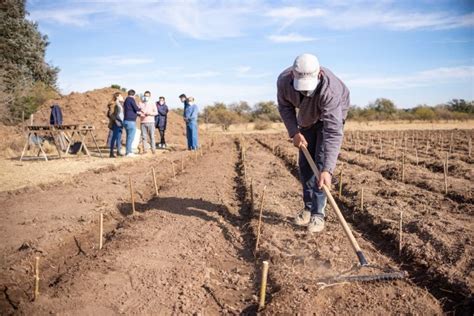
(305, 72)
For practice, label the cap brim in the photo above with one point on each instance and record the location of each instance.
(305, 84)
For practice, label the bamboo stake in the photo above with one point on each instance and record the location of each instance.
(403, 166)
(470, 147)
(400, 228)
(251, 196)
(445, 178)
(362, 199)
(427, 146)
(173, 169)
(101, 229)
(31, 119)
(416, 155)
(447, 162)
(132, 196)
(154, 180)
(36, 292)
(263, 286)
(260, 219)
(340, 183)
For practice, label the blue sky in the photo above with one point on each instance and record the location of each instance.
(413, 52)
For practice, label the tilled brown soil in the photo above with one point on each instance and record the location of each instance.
(304, 266)
(437, 229)
(191, 250)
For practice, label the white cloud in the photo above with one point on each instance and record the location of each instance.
(349, 15)
(295, 13)
(426, 78)
(203, 74)
(193, 18)
(290, 38)
(117, 61)
(65, 16)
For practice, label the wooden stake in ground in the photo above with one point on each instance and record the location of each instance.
(132, 196)
(260, 219)
(445, 178)
(251, 197)
(154, 180)
(416, 155)
(173, 169)
(403, 165)
(101, 229)
(36, 293)
(362, 198)
(263, 285)
(400, 228)
(31, 119)
(469, 147)
(340, 183)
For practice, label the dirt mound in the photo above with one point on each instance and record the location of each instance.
(82, 108)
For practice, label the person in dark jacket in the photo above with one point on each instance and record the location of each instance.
(131, 112)
(56, 117)
(322, 101)
(116, 122)
(161, 120)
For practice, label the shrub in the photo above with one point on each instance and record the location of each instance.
(262, 125)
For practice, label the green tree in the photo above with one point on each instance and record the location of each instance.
(461, 105)
(424, 112)
(267, 111)
(220, 114)
(24, 70)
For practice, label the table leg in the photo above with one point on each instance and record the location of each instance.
(41, 148)
(95, 141)
(83, 144)
(26, 145)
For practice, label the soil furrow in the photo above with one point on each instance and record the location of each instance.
(304, 264)
(380, 225)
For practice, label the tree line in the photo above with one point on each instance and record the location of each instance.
(266, 112)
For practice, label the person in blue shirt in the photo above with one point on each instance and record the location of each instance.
(191, 119)
(131, 112)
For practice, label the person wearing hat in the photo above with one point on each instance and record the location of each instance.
(322, 101)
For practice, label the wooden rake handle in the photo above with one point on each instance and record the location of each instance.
(347, 230)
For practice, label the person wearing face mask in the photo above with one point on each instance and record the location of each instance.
(322, 101)
(116, 121)
(148, 109)
(161, 120)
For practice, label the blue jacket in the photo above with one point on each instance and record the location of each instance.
(130, 109)
(56, 117)
(162, 117)
(190, 112)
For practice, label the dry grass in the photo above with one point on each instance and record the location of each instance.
(19, 174)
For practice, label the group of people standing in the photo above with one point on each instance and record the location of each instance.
(123, 113)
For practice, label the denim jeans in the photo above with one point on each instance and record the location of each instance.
(148, 130)
(130, 128)
(192, 134)
(116, 139)
(314, 199)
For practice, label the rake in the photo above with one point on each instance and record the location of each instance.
(363, 263)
